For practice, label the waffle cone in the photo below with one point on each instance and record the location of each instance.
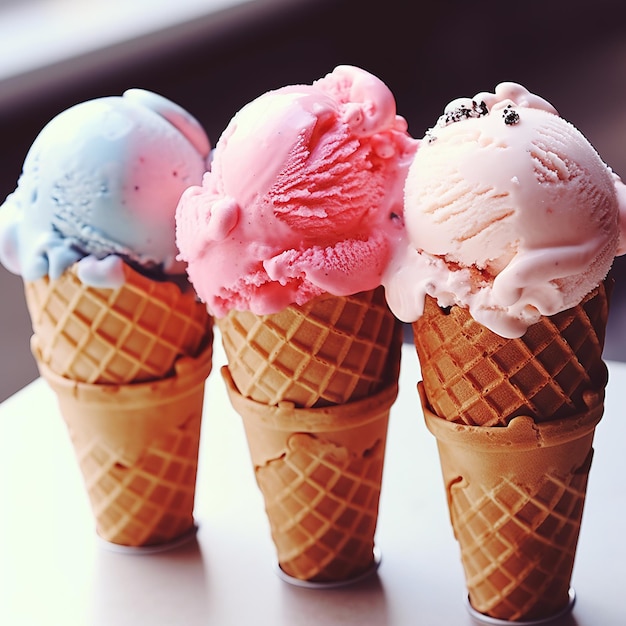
(516, 496)
(114, 336)
(320, 472)
(473, 376)
(137, 448)
(331, 350)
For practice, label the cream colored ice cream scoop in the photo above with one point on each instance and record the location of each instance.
(509, 211)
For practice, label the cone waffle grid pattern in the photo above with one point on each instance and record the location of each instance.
(329, 351)
(131, 334)
(518, 548)
(475, 377)
(149, 502)
(322, 503)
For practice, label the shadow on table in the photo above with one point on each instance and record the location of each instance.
(160, 587)
(368, 595)
(566, 620)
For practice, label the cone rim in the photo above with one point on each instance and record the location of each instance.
(521, 433)
(132, 274)
(320, 419)
(305, 306)
(189, 372)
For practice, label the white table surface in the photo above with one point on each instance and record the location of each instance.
(54, 571)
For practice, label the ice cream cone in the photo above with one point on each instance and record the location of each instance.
(137, 448)
(320, 472)
(473, 376)
(115, 336)
(516, 497)
(331, 350)
(514, 421)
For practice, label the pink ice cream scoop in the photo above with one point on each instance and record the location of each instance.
(304, 196)
(509, 211)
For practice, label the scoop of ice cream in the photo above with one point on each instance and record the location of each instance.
(100, 184)
(304, 196)
(509, 211)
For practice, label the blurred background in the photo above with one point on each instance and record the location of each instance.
(213, 56)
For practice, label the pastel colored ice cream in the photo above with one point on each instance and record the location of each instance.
(100, 186)
(304, 196)
(509, 211)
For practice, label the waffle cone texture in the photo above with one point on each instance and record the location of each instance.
(329, 351)
(134, 333)
(473, 376)
(516, 497)
(320, 472)
(128, 366)
(137, 448)
(514, 421)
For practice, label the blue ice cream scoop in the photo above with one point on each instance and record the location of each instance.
(99, 186)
